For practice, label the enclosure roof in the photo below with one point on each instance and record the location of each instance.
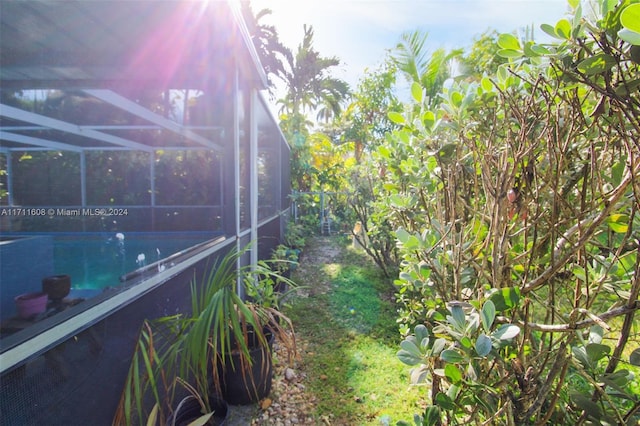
(108, 50)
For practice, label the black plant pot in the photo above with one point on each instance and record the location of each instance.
(282, 287)
(57, 287)
(243, 385)
(189, 410)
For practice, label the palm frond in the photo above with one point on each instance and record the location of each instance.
(410, 54)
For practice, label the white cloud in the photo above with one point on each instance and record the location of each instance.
(360, 31)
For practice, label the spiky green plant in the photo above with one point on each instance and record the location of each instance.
(194, 348)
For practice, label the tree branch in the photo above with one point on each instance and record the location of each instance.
(593, 319)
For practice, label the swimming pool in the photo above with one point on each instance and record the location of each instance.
(94, 261)
(100, 262)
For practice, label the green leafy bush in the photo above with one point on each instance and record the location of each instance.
(514, 199)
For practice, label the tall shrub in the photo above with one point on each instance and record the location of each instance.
(516, 207)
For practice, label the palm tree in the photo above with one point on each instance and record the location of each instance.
(309, 85)
(272, 53)
(431, 71)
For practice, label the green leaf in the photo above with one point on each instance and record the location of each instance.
(408, 358)
(424, 271)
(509, 53)
(443, 401)
(563, 29)
(580, 352)
(550, 30)
(488, 315)
(202, 420)
(634, 358)
(431, 416)
(396, 117)
(595, 334)
(597, 64)
(390, 187)
(455, 98)
(578, 29)
(596, 352)
(452, 373)
(402, 235)
(618, 379)
(419, 374)
(453, 391)
(459, 319)
(411, 347)
(608, 6)
(428, 119)
(617, 171)
(573, 3)
(630, 17)
(506, 332)
(450, 355)
(417, 420)
(438, 346)
(153, 416)
(583, 401)
(411, 243)
(628, 87)
(421, 332)
(627, 263)
(629, 36)
(486, 84)
(540, 50)
(399, 202)
(503, 72)
(618, 223)
(579, 272)
(505, 298)
(508, 41)
(483, 345)
(416, 92)
(528, 51)
(384, 151)
(466, 342)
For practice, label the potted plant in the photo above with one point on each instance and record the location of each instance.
(30, 305)
(193, 411)
(294, 236)
(239, 332)
(283, 261)
(222, 346)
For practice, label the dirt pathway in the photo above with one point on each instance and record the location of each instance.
(337, 314)
(289, 402)
(320, 251)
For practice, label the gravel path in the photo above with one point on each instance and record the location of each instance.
(289, 403)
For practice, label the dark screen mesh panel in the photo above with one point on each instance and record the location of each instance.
(269, 236)
(100, 116)
(188, 178)
(118, 178)
(188, 219)
(57, 175)
(79, 382)
(42, 390)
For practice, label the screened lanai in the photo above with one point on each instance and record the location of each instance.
(135, 146)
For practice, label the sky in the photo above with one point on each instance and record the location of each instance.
(359, 32)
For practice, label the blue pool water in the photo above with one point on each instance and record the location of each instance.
(94, 261)
(99, 262)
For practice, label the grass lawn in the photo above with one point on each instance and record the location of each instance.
(347, 330)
